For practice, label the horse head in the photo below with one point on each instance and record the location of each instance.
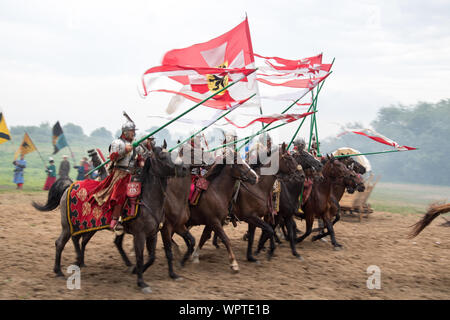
(288, 166)
(160, 163)
(355, 181)
(240, 170)
(336, 169)
(311, 166)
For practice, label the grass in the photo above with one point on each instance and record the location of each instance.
(406, 198)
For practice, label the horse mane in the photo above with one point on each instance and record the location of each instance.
(214, 171)
(144, 174)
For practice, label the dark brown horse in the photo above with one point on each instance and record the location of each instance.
(145, 226)
(252, 202)
(212, 208)
(321, 199)
(351, 183)
(290, 195)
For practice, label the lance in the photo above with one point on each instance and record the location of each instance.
(284, 111)
(251, 136)
(314, 116)
(370, 153)
(136, 143)
(208, 125)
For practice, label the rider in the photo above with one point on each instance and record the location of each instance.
(262, 148)
(124, 161)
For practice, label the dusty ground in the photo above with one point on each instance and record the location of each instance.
(410, 269)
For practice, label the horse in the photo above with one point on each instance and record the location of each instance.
(434, 211)
(351, 184)
(212, 207)
(252, 202)
(321, 198)
(144, 228)
(290, 194)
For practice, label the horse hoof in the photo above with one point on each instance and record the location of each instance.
(59, 274)
(195, 260)
(146, 290)
(324, 240)
(178, 278)
(337, 248)
(300, 258)
(235, 269)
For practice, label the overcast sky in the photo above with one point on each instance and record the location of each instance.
(80, 61)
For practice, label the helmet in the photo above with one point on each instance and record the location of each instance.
(127, 126)
(300, 143)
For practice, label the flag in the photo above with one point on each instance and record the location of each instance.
(59, 140)
(4, 132)
(272, 118)
(232, 52)
(378, 138)
(26, 146)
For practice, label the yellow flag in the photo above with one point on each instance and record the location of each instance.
(4, 132)
(26, 146)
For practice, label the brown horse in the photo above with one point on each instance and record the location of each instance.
(433, 211)
(252, 202)
(321, 199)
(351, 183)
(290, 194)
(145, 226)
(212, 208)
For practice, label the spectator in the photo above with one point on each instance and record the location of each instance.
(64, 168)
(18, 171)
(51, 174)
(81, 170)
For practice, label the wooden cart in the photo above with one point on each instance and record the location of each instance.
(356, 203)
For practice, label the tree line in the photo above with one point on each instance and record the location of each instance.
(425, 126)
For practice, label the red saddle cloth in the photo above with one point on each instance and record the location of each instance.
(84, 216)
(198, 185)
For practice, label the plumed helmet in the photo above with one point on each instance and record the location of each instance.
(127, 126)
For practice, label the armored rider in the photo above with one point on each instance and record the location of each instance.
(125, 160)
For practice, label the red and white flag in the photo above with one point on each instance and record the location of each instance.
(272, 118)
(231, 52)
(378, 138)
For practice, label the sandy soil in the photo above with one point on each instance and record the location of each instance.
(410, 269)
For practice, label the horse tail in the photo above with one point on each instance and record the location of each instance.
(433, 211)
(54, 195)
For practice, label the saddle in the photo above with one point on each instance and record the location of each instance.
(198, 185)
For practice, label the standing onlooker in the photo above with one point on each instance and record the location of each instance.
(81, 170)
(51, 174)
(64, 168)
(18, 171)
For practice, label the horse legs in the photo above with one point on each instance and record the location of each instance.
(190, 243)
(151, 249)
(215, 243)
(60, 244)
(166, 234)
(267, 233)
(206, 234)
(217, 227)
(330, 229)
(251, 236)
(309, 225)
(76, 244)
(290, 225)
(118, 241)
(139, 243)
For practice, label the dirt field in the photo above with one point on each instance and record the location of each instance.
(410, 269)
